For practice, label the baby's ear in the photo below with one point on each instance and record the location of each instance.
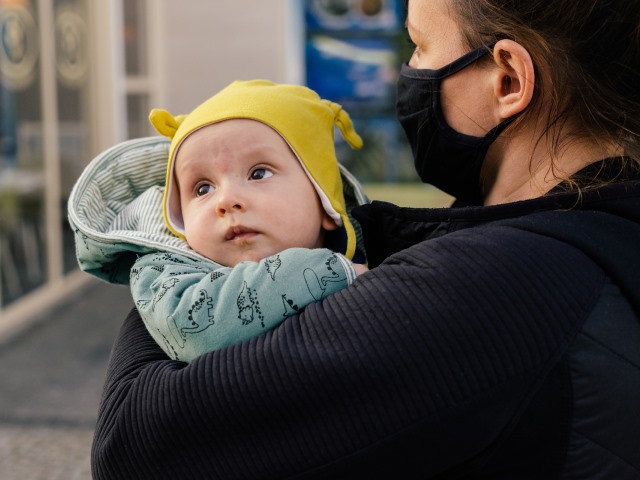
(328, 223)
(165, 123)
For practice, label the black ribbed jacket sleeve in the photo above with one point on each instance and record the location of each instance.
(423, 364)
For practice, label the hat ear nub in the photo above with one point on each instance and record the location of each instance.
(165, 123)
(344, 123)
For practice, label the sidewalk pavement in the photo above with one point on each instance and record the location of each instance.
(50, 385)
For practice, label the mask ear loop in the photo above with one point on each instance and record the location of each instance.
(448, 70)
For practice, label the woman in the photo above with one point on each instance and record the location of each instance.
(495, 339)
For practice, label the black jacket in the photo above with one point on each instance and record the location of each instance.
(489, 342)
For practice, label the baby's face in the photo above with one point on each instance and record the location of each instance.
(244, 194)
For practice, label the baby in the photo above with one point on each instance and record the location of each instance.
(252, 184)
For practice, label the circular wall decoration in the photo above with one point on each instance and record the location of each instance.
(71, 48)
(333, 13)
(371, 8)
(335, 8)
(19, 49)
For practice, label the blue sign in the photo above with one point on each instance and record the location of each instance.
(353, 71)
(352, 57)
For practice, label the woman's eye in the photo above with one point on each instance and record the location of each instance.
(203, 189)
(260, 173)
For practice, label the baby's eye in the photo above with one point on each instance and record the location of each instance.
(203, 189)
(260, 173)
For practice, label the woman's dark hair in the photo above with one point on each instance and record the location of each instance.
(589, 51)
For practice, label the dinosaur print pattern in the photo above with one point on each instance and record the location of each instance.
(273, 264)
(215, 276)
(166, 286)
(197, 306)
(142, 304)
(134, 274)
(249, 306)
(290, 308)
(169, 348)
(158, 268)
(200, 317)
(163, 258)
(318, 285)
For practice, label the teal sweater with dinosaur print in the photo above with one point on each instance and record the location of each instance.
(192, 307)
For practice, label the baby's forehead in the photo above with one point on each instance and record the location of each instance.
(237, 138)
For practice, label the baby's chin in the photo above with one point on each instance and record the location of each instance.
(253, 256)
(239, 257)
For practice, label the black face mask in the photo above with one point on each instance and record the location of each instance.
(443, 157)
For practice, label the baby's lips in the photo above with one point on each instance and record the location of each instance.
(237, 230)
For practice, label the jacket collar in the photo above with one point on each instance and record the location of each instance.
(388, 228)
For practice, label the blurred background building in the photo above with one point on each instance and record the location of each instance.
(78, 76)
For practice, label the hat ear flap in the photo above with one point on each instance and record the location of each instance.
(344, 123)
(165, 123)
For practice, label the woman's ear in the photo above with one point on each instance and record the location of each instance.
(515, 82)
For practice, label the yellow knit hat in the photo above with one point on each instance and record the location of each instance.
(298, 114)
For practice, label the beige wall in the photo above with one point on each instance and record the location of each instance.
(205, 44)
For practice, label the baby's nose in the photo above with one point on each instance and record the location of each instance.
(229, 201)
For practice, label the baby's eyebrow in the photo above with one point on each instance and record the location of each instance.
(184, 178)
(185, 168)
